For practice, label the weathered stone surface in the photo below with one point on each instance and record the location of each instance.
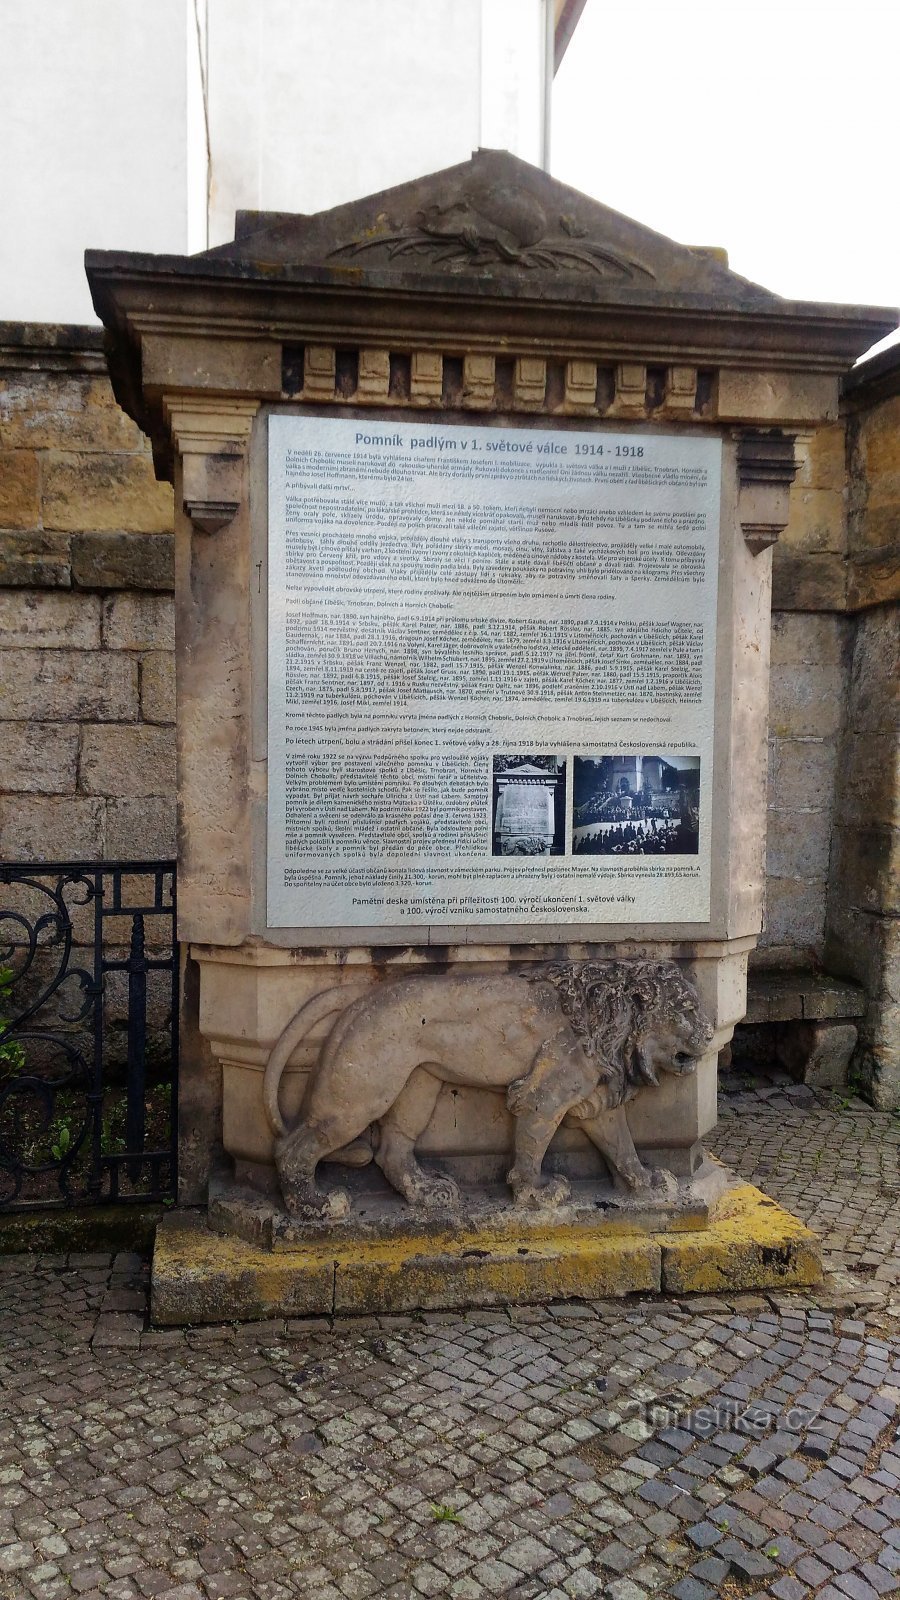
(123, 561)
(201, 1277)
(874, 578)
(776, 397)
(817, 520)
(124, 762)
(874, 527)
(19, 489)
(34, 619)
(864, 903)
(821, 458)
(69, 411)
(139, 622)
(158, 686)
(817, 1053)
(804, 774)
(795, 913)
(808, 639)
(141, 829)
(751, 1243)
(805, 701)
(104, 492)
(783, 996)
(38, 758)
(868, 786)
(802, 581)
(879, 439)
(798, 844)
(51, 828)
(89, 685)
(35, 559)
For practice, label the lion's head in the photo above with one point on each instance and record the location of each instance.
(635, 1018)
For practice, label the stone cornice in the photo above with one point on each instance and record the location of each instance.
(171, 295)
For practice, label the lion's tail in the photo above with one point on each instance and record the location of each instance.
(327, 1004)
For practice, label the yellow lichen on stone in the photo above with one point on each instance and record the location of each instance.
(557, 1267)
(201, 1277)
(752, 1243)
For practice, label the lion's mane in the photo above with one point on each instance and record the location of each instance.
(609, 1005)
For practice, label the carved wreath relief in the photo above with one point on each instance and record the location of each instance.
(487, 225)
(570, 1040)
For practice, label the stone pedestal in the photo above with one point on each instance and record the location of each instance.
(492, 289)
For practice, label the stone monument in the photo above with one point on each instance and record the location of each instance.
(476, 483)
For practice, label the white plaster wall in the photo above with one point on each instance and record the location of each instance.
(311, 105)
(109, 106)
(94, 118)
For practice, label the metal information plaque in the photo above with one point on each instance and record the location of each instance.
(491, 674)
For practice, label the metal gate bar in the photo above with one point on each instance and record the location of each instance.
(65, 929)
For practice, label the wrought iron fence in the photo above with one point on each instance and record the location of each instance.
(88, 1033)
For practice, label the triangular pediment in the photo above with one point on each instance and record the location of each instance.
(493, 217)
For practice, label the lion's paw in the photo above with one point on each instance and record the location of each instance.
(438, 1194)
(310, 1205)
(663, 1183)
(539, 1196)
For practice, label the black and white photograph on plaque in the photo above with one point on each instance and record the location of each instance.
(636, 805)
(529, 805)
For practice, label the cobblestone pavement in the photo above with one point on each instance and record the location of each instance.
(645, 1447)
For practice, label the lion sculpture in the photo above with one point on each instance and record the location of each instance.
(570, 1040)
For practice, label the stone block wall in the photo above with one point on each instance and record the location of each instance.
(87, 693)
(811, 638)
(86, 666)
(863, 919)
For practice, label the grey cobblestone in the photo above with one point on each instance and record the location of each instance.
(715, 1446)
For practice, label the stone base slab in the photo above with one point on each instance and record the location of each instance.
(256, 1215)
(203, 1277)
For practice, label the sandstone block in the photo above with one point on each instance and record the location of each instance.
(869, 782)
(875, 525)
(805, 702)
(874, 703)
(806, 581)
(801, 638)
(126, 761)
(38, 758)
(64, 411)
(35, 560)
(797, 844)
(817, 520)
(32, 618)
(138, 829)
(750, 396)
(64, 685)
(821, 459)
(123, 560)
(795, 913)
(868, 861)
(54, 828)
(19, 489)
(817, 1053)
(158, 686)
(804, 773)
(879, 439)
(139, 622)
(106, 493)
(875, 581)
